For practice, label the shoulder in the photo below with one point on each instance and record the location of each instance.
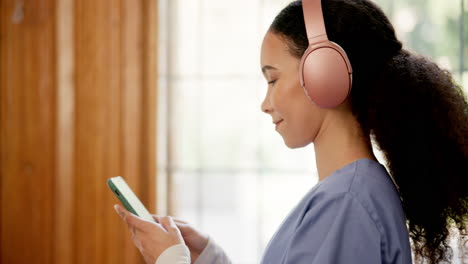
(364, 180)
(357, 201)
(362, 174)
(336, 223)
(328, 208)
(362, 186)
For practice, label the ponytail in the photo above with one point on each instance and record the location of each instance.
(418, 118)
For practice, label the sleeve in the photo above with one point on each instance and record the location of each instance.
(338, 230)
(212, 254)
(176, 254)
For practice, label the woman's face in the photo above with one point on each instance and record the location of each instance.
(297, 119)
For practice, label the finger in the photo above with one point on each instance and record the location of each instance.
(132, 220)
(169, 224)
(176, 220)
(182, 226)
(120, 210)
(136, 222)
(156, 218)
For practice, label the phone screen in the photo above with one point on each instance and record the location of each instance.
(128, 198)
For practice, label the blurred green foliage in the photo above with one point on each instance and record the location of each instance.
(435, 31)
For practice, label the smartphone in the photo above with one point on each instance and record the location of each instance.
(128, 198)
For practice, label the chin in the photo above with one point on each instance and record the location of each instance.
(293, 144)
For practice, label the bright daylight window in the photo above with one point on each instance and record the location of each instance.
(221, 165)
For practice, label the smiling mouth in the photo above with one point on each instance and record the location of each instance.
(279, 122)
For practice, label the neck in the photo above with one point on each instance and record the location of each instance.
(340, 141)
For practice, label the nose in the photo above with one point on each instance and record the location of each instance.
(266, 105)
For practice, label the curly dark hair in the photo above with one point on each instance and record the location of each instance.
(411, 108)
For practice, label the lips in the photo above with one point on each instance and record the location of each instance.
(278, 122)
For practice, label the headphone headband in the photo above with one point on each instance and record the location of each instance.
(325, 70)
(313, 18)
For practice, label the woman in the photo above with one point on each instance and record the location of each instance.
(357, 213)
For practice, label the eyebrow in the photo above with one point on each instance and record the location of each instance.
(268, 67)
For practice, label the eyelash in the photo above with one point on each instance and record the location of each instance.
(272, 82)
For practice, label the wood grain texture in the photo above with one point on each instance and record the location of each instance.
(27, 81)
(77, 106)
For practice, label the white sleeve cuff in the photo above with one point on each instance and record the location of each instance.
(176, 254)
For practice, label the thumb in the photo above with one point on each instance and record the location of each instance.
(168, 223)
(131, 219)
(184, 228)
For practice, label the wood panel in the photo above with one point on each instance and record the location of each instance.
(77, 106)
(97, 140)
(27, 81)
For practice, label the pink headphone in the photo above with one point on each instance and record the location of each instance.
(325, 70)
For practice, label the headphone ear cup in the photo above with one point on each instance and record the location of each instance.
(326, 76)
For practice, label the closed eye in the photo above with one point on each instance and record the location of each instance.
(272, 82)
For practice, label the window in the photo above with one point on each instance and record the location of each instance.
(221, 165)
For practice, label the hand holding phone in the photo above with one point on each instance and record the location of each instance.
(128, 198)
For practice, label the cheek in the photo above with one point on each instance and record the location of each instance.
(285, 96)
(303, 126)
(302, 117)
(305, 121)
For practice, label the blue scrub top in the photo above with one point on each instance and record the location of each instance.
(353, 216)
